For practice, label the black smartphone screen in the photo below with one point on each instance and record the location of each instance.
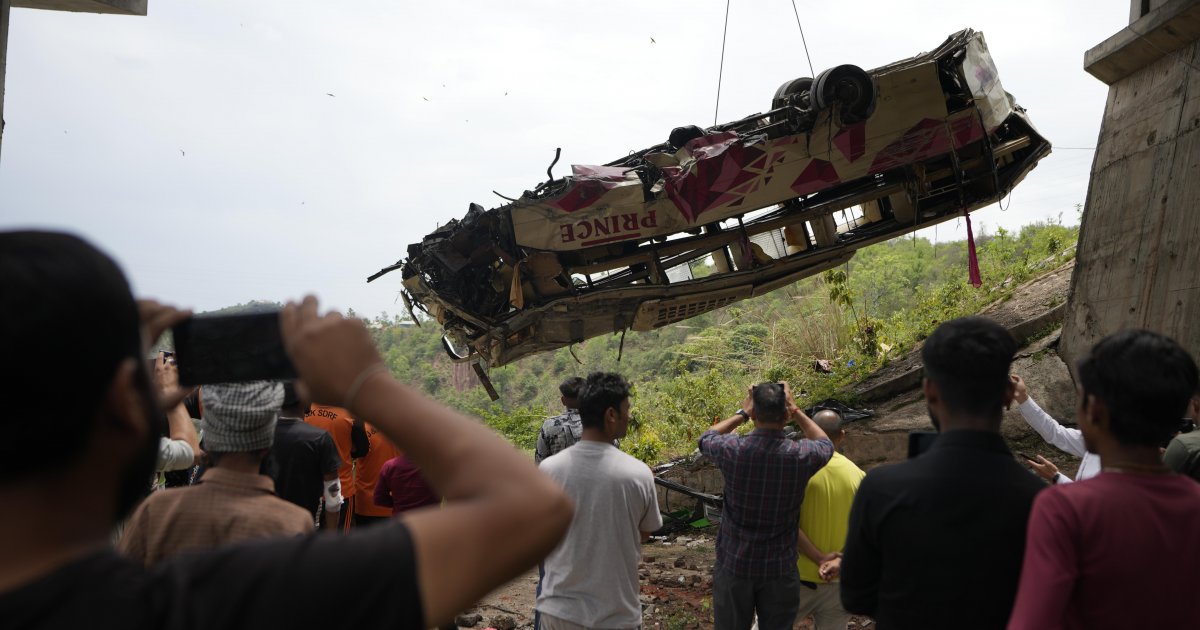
(919, 442)
(231, 349)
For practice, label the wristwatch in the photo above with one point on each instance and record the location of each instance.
(742, 413)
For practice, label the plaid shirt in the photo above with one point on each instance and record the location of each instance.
(765, 476)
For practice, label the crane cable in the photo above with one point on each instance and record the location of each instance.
(803, 41)
(721, 69)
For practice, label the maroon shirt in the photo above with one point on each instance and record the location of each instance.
(1119, 550)
(402, 488)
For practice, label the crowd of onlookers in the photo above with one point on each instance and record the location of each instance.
(963, 535)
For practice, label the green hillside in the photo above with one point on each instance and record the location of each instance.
(854, 318)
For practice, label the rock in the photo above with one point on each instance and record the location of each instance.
(649, 559)
(504, 622)
(695, 579)
(468, 621)
(648, 610)
(693, 567)
(680, 562)
(823, 366)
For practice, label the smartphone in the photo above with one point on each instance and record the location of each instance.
(231, 349)
(919, 442)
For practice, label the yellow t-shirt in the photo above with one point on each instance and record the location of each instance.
(825, 513)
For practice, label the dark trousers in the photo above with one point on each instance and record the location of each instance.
(737, 599)
(362, 520)
(346, 517)
(537, 614)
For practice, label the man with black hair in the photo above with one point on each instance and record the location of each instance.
(179, 450)
(58, 569)
(304, 461)
(1120, 550)
(349, 435)
(561, 431)
(765, 475)
(591, 578)
(936, 541)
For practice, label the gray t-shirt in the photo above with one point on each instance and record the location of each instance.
(591, 577)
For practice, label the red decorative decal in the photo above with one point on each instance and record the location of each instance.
(852, 141)
(818, 175)
(966, 130)
(720, 164)
(589, 184)
(927, 139)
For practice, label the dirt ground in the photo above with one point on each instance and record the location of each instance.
(676, 586)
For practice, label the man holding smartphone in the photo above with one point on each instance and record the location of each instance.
(1065, 439)
(765, 476)
(418, 571)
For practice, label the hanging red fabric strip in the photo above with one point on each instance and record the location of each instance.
(972, 259)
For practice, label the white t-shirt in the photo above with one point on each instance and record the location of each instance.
(173, 455)
(591, 577)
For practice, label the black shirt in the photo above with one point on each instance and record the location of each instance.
(300, 458)
(937, 541)
(285, 583)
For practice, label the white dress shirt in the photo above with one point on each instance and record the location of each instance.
(1066, 440)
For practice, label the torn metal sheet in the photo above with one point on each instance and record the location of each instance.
(841, 161)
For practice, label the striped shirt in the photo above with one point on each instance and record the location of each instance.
(765, 477)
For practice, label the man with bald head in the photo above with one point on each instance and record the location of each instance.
(824, 521)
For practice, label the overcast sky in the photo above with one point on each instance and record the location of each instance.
(226, 151)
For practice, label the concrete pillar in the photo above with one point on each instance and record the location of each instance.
(5, 5)
(1139, 242)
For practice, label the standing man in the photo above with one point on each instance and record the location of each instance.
(58, 568)
(367, 477)
(304, 461)
(180, 449)
(591, 578)
(401, 487)
(936, 541)
(559, 432)
(824, 523)
(1065, 439)
(765, 476)
(350, 437)
(1120, 550)
(232, 502)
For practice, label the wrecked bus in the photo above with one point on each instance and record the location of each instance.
(840, 161)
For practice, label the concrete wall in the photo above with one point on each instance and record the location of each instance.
(1139, 245)
(123, 7)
